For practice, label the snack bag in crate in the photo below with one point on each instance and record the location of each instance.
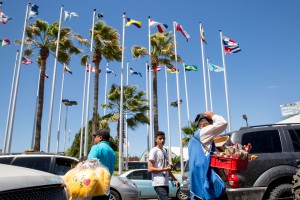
(86, 180)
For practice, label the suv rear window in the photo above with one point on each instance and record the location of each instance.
(295, 135)
(38, 163)
(267, 141)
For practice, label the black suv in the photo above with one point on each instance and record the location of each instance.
(270, 176)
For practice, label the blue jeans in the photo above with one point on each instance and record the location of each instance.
(162, 192)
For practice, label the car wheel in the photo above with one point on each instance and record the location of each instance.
(296, 184)
(114, 195)
(181, 196)
(281, 191)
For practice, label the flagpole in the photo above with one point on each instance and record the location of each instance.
(53, 83)
(225, 81)
(126, 125)
(150, 87)
(82, 112)
(10, 101)
(186, 96)
(60, 105)
(209, 83)
(104, 109)
(35, 112)
(178, 102)
(147, 97)
(16, 87)
(168, 116)
(88, 93)
(203, 67)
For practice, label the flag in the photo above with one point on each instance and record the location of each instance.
(184, 33)
(215, 68)
(46, 75)
(34, 11)
(202, 34)
(69, 15)
(92, 69)
(26, 61)
(172, 69)
(68, 70)
(133, 22)
(100, 15)
(4, 18)
(230, 46)
(4, 42)
(109, 71)
(190, 68)
(158, 68)
(132, 72)
(161, 27)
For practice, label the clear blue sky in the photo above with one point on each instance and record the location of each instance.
(264, 75)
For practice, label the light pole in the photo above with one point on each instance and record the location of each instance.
(67, 104)
(245, 118)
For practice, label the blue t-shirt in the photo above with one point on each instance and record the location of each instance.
(105, 154)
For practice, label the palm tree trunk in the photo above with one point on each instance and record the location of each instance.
(96, 98)
(155, 102)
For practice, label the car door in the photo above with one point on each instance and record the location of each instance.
(143, 181)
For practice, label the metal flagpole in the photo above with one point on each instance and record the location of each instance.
(65, 133)
(53, 83)
(147, 97)
(203, 67)
(150, 88)
(225, 80)
(10, 100)
(186, 96)
(88, 92)
(126, 125)
(104, 109)
(178, 101)
(209, 84)
(121, 102)
(60, 105)
(168, 116)
(82, 112)
(35, 112)
(12, 117)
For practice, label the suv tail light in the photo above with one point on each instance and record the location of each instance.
(233, 179)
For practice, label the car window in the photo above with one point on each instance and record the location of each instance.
(267, 141)
(6, 160)
(63, 165)
(39, 163)
(295, 136)
(139, 175)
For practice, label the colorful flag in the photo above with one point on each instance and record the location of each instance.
(69, 15)
(215, 68)
(158, 68)
(26, 61)
(202, 34)
(133, 22)
(184, 33)
(109, 71)
(230, 46)
(190, 68)
(68, 70)
(4, 18)
(4, 42)
(92, 69)
(161, 27)
(46, 75)
(132, 72)
(172, 69)
(33, 12)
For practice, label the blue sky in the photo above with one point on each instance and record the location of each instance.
(264, 75)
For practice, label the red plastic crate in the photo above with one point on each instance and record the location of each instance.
(228, 163)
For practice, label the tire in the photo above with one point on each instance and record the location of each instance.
(282, 191)
(181, 196)
(296, 184)
(114, 195)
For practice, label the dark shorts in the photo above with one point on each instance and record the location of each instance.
(162, 192)
(102, 197)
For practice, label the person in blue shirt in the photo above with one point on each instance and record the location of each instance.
(104, 153)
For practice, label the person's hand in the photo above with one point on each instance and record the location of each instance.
(177, 184)
(209, 114)
(168, 168)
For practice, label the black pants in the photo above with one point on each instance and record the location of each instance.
(102, 197)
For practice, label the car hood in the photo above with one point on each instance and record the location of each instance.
(10, 177)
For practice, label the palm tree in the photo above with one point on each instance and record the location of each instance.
(42, 36)
(134, 107)
(162, 53)
(106, 44)
(189, 132)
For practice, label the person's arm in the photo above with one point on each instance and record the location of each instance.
(152, 169)
(177, 184)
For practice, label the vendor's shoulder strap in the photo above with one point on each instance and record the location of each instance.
(204, 146)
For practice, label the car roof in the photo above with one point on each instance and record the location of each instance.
(13, 177)
(132, 170)
(36, 154)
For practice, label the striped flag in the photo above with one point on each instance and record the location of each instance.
(133, 22)
(132, 72)
(184, 33)
(202, 34)
(172, 69)
(68, 70)
(89, 68)
(109, 71)
(4, 42)
(215, 68)
(26, 61)
(161, 27)
(230, 46)
(33, 11)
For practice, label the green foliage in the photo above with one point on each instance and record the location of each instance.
(188, 132)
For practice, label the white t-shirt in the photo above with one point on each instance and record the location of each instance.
(160, 158)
